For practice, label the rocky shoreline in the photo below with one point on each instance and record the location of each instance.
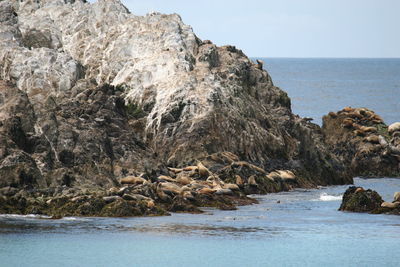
(104, 113)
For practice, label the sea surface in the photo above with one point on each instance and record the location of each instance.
(318, 86)
(304, 229)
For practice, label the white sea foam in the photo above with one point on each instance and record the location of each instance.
(29, 216)
(326, 197)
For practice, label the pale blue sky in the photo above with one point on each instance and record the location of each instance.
(291, 28)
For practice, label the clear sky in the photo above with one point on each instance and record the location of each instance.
(290, 28)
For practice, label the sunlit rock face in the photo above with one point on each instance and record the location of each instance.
(110, 94)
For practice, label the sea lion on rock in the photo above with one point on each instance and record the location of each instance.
(370, 129)
(396, 196)
(170, 188)
(150, 204)
(165, 178)
(133, 180)
(252, 181)
(238, 180)
(359, 189)
(206, 191)
(273, 175)
(233, 187)
(348, 109)
(372, 139)
(347, 123)
(203, 171)
(390, 205)
(190, 168)
(229, 157)
(287, 175)
(355, 115)
(332, 114)
(184, 180)
(394, 127)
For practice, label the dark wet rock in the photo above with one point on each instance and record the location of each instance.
(356, 199)
(360, 200)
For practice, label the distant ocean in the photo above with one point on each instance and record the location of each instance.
(317, 86)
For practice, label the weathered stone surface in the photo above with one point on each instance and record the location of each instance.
(361, 140)
(91, 94)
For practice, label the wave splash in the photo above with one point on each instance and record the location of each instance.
(326, 197)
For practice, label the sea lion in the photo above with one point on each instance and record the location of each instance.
(394, 127)
(165, 178)
(287, 175)
(355, 114)
(370, 129)
(187, 195)
(229, 156)
(356, 126)
(348, 109)
(390, 205)
(238, 180)
(190, 168)
(133, 180)
(372, 139)
(332, 114)
(396, 196)
(347, 123)
(150, 204)
(183, 180)
(252, 181)
(273, 175)
(170, 188)
(203, 171)
(206, 191)
(233, 187)
(359, 189)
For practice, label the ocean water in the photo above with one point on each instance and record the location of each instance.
(304, 229)
(318, 86)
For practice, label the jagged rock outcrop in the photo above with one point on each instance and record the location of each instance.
(356, 199)
(365, 144)
(91, 94)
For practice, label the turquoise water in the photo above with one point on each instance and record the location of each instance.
(304, 229)
(318, 86)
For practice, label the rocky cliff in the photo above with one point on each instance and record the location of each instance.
(91, 94)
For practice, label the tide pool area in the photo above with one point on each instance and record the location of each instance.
(304, 229)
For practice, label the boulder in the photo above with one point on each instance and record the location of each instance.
(360, 201)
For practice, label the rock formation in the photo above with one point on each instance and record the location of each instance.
(363, 142)
(91, 94)
(356, 199)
